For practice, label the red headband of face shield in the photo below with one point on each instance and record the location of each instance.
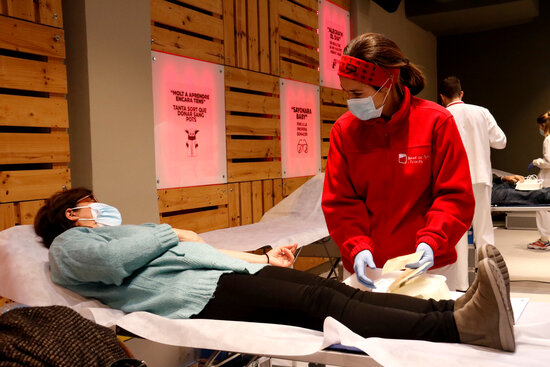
(366, 72)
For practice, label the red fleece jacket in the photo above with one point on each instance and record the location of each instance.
(391, 185)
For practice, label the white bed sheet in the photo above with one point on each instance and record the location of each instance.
(24, 278)
(296, 219)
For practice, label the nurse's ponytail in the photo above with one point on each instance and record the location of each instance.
(375, 48)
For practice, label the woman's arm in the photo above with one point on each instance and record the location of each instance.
(279, 256)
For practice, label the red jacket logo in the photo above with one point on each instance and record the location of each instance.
(413, 159)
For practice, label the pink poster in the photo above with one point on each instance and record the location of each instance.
(300, 129)
(189, 120)
(334, 35)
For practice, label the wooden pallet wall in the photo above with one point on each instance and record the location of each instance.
(34, 144)
(258, 41)
(299, 40)
(333, 105)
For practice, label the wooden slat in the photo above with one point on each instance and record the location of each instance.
(298, 34)
(291, 184)
(277, 191)
(300, 73)
(240, 34)
(267, 191)
(253, 36)
(274, 36)
(214, 6)
(298, 14)
(191, 198)
(187, 19)
(182, 44)
(23, 9)
(33, 111)
(263, 34)
(333, 96)
(311, 4)
(229, 32)
(8, 217)
(299, 53)
(342, 3)
(239, 149)
(199, 222)
(245, 192)
(234, 205)
(325, 130)
(32, 75)
(50, 13)
(251, 103)
(18, 35)
(18, 148)
(28, 210)
(32, 185)
(244, 79)
(245, 125)
(251, 171)
(332, 113)
(323, 164)
(324, 148)
(257, 201)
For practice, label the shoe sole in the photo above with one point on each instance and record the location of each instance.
(491, 252)
(538, 248)
(505, 327)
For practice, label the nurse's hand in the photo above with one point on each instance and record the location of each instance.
(362, 260)
(427, 257)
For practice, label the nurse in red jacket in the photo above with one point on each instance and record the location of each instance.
(397, 178)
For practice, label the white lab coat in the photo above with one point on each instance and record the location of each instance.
(480, 132)
(543, 217)
(544, 162)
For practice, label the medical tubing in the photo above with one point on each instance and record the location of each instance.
(266, 255)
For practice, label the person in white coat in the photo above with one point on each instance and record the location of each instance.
(543, 217)
(480, 132)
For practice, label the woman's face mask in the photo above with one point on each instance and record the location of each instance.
(364, 108)
(103, 214)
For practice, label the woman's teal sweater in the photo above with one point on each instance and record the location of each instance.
(141, 268)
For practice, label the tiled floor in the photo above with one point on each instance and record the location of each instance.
(529, 269)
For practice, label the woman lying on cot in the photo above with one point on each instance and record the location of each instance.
(172, 273)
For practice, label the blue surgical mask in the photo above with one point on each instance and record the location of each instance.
(364, 108)
(541, 132)
(103, 214)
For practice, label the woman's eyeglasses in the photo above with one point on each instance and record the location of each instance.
(91, 197)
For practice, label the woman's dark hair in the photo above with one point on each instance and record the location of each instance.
(450, 87)
(544, 120)
(50, 221)
(382, 51)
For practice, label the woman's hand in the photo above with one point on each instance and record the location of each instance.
(282, 256)
(185, 235)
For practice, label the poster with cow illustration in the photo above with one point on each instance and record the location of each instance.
(189, 120)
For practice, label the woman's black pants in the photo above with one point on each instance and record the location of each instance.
(291, 297)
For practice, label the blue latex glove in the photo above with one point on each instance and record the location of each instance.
(530, 166)
(362, 260)
(427, 257)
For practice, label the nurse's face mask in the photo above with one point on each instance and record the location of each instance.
(368, 73)
(102, 214)
(364, 108)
